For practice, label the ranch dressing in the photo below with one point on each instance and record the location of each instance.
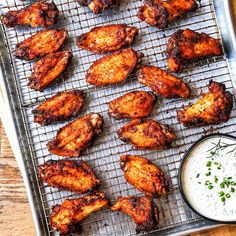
(209, 178)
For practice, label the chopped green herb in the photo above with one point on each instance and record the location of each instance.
(197, 175)
(232, 189)
(227, 195)
(229, 177)
(199, 182)
(216, 163)
(208, 164)
(210, 186)
(208, 174)
(222, 185)
(219, 168)
(207, 182)
(221, 193)
(223, 199)
(216, 179)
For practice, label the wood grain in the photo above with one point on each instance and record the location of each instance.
(15, 215)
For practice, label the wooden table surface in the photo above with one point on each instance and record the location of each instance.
(15, 215)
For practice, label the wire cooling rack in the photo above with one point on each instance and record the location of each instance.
(103, 156)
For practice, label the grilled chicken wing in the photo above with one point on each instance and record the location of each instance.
(213, 108)
(160, 13)
(40, 44)
(147, 134)
(144, 175)
(163, 83)
(76, 135)
(59, 107)
(142, 209)
(187, 44)
(136, 104)
(97, 6)
(38, 14)
(75, 176)
(48, 69)
(66, 217)
(113, 68)
(107, 38)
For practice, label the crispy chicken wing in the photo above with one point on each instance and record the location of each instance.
(41, 44)
(107, 38)
(142, 209)
(146, 134)
(163, 83)
(75, 176)
(66, 217)
(97, 6)
(48, 69)
(38, 14)
(76, 135)
(113, 68)
(59, 107)
(136, 104)
(144, 175)
(213, 108)
(160, 13)
(187, 44)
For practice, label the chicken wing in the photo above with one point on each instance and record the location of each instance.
(48, 69)
(66, 217)
(107, 38)
(97, 6)
(213, 108)
(76, 135)
(38, 14)
(147, 134)
(144, 175)
(160, 13)
(59, 107)
(75, 176)
(136, 104)
(187, 44)
(163, 83)
(142, 209)
(113, 68)
(41, 44)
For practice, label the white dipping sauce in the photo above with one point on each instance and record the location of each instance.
(217, 202)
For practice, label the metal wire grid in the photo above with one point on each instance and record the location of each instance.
(103, 156)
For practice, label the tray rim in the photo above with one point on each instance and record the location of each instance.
(16, 134)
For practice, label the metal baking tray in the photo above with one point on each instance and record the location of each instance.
(29, 140)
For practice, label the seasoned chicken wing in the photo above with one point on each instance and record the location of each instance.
(146, 134)
(41, 13)
(142, 209)
(75, 176)
(113, 68)
(163, 83)
(213, 108)
(72, 138)
(97, 6)
(48, 69)
(66, 217)
(160, 13)
(136, 104)
(107, 38)
(59, 107)
(187, 44)
(144, 175)
(41, 44)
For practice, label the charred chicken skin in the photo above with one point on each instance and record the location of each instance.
(75, 176)
(113, 68)
(60, 107)
(143, 211)
(97, 6)
(38, 14)
(76, 135)
(147, 134)
(66, 217)
(136, 104)
(48, 69)
(160, 13)
(144, 175)
(163, 83)
(41, 44)
(187, 44)
(213, 108)
(107, 38)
